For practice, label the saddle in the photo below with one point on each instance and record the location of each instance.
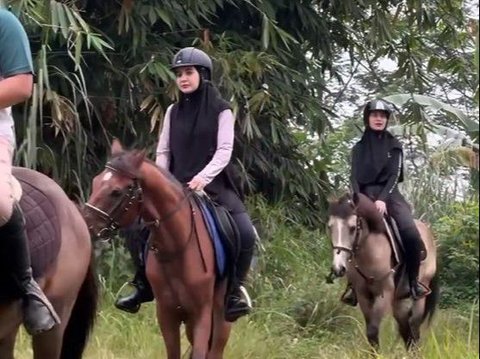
(396, 242)
(224, 235)
(42, 223)
(398, 254)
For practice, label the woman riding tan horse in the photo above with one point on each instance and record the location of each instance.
(377, 168)
(180, 264)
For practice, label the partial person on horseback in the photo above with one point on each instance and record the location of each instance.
(195, 145)
(376, 171)
(16, 83)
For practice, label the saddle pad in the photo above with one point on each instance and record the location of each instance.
(219, 250)
(42, 226)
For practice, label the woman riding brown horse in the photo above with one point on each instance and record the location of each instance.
(58, 310)
(67, 278)
(180, 265)
(195, 145)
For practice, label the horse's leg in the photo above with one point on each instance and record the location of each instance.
(169, 322)
(401, 312)
(7, 344)
(415, 320)
(189, 332)
(48, 345)
(221, 328)
(374, 310)
(202, 329)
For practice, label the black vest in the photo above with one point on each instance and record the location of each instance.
(193, 140)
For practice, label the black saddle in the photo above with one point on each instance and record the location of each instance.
(228, 232)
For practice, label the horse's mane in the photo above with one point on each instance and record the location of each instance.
(342, 207)
(359, 204)
(122, 162)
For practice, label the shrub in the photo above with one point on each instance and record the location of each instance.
(457, 235)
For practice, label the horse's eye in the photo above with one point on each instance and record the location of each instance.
(116, 193)
(351, 229)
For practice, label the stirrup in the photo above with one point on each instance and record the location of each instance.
(245, 295)
(427, 292)
(351, 299)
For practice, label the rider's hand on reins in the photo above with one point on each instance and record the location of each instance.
(197, 183)
(381, 207)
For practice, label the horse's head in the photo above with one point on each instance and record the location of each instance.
(116, 195)
(351, 218)
(342, 228)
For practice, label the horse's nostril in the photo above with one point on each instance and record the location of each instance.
(339, 271)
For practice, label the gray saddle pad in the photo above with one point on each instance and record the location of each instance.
(42, 224)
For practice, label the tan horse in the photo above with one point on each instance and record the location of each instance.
(362, 251)
(68, 279)
(180, 264)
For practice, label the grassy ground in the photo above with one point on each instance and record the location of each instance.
(297, 315)
(124, 336)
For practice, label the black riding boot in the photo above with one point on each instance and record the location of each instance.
(142, 293)
(136, 239)
(349, 296)
(38, 313)
(238, 301)
(413, 248)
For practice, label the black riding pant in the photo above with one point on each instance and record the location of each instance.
(230, 200)
(400, 210)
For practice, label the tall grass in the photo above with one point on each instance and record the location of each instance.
(122, 336)
(297, 315)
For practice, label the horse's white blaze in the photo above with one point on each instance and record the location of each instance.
(107, 176)
(352, 221)
(339, 235)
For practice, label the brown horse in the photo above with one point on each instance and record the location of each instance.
(67, 275)
(362, 251)
(180, 264)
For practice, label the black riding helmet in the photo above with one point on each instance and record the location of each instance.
(376, 105)
(191, 56)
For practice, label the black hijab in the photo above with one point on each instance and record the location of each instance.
(371, 156)
(194, 130)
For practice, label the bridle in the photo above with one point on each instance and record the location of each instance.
(132, 196)
(351, 255)
(355, 243)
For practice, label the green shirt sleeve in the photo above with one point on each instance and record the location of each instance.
(15, 54)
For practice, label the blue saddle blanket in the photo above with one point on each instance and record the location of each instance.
(220, 254)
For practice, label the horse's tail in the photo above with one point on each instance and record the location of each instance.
(431, 301)
(82, 317)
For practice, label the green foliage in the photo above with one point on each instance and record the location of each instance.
(102, 72)
(113, 263)
(457, 234)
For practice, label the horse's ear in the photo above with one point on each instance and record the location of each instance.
(355, 198)
(332, 199)
(116, 147)
(138, 157)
